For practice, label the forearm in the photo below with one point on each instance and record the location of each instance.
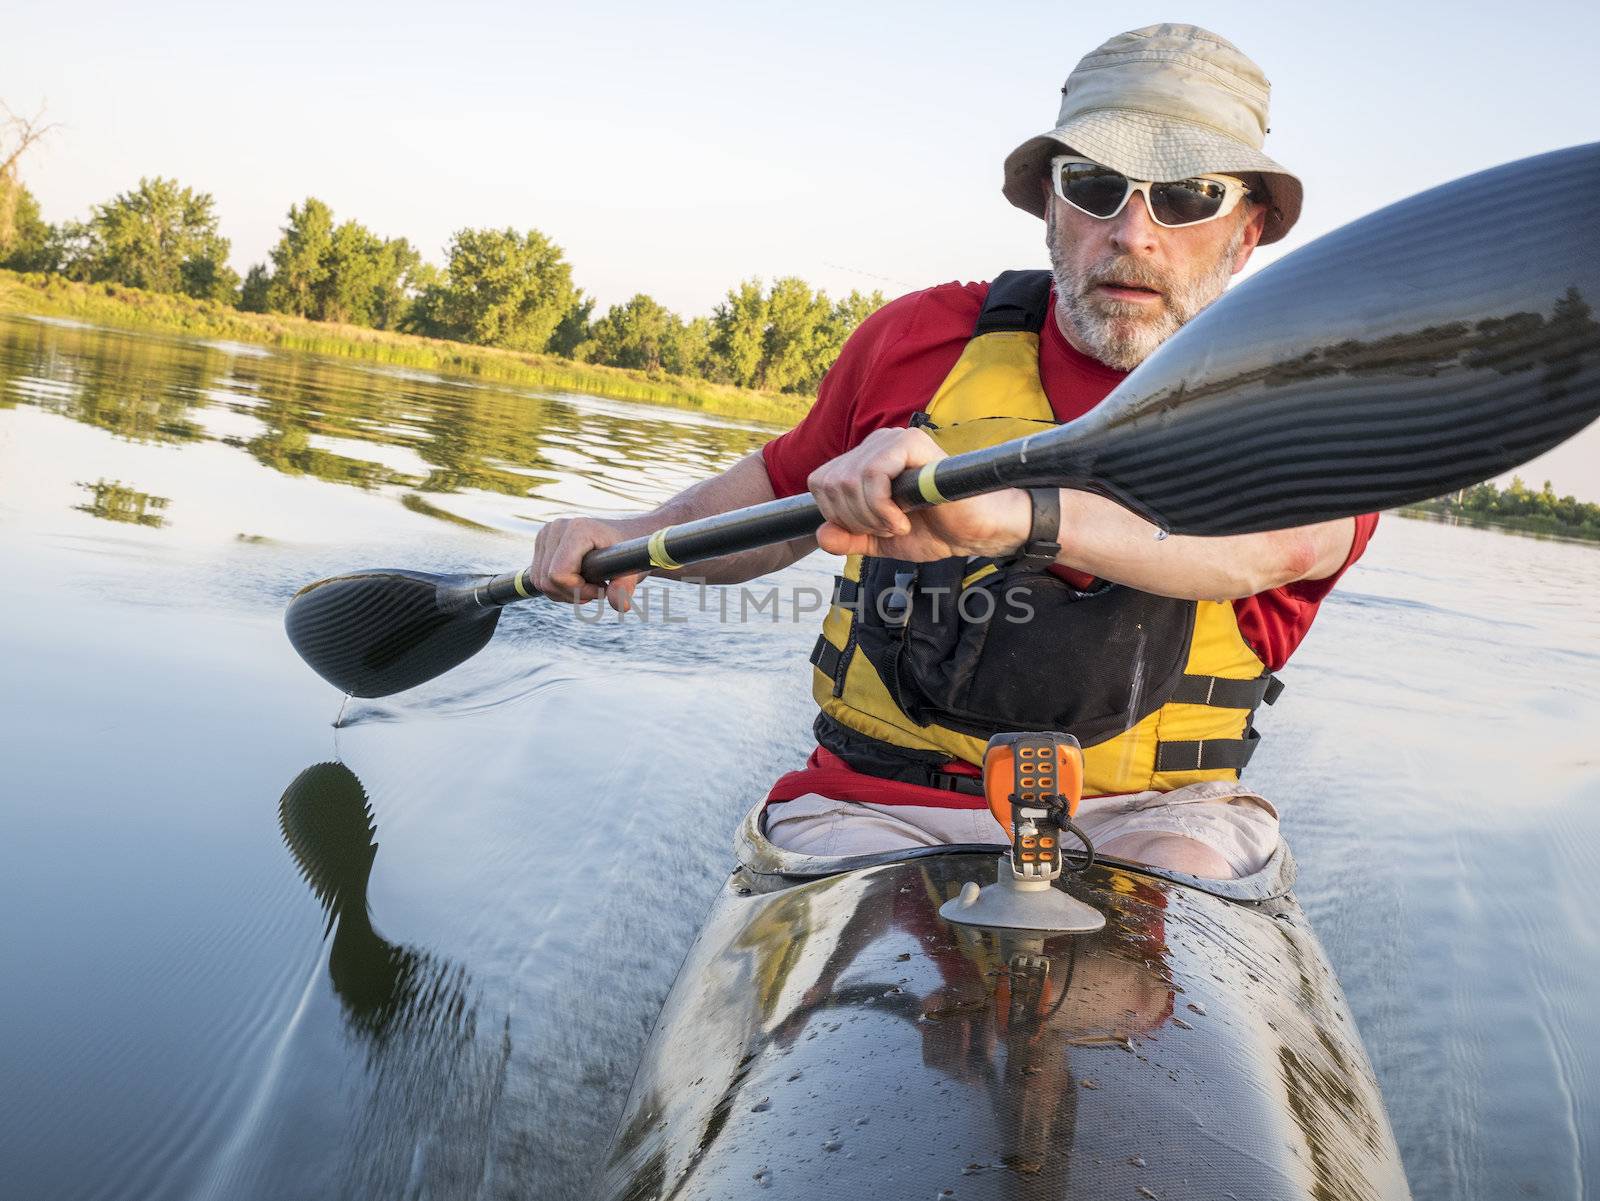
(745, 483)
(1103, 539)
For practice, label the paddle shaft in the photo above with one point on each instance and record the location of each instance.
(776, 521)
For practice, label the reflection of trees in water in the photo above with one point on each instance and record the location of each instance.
(115, 501)
(489, 439)
(483, 438)
(138, 389)
(434, 1077)
(1519, 342)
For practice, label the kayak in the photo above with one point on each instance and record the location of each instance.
(831, 1035)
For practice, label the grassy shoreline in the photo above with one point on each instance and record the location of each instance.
(1529, 527)
(134, 308)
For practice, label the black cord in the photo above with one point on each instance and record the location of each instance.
(1066, 823)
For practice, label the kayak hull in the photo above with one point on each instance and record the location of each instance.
(831, 1035)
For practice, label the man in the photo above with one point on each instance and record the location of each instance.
(1039, 609)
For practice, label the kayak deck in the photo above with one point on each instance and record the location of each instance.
(833, 1036)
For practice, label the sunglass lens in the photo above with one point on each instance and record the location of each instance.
(1093, 189)
(1186, 201)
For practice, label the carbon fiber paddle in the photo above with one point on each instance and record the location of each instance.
(1429, 346)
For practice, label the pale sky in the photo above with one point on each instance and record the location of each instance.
(677, 148)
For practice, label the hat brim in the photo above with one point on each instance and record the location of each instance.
(1144, 146)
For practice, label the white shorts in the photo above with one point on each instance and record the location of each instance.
(1237, 824)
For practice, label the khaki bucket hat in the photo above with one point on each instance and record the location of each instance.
(1162, 102)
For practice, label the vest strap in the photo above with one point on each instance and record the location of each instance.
(826, 657)
(1209, 755)
(873, 758)
(845, 591)
(1018, 302)
(1221, 692)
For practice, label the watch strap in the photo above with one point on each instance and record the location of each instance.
(1042, 546)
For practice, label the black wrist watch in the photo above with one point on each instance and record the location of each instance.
(1042, 547)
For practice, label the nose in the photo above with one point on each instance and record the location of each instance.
(1133, 230)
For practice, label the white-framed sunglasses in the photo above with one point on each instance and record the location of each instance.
(1101, 192)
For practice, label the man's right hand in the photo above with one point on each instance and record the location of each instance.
(558, 553)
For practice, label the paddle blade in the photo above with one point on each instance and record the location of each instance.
(379, 632)
(1434, 344)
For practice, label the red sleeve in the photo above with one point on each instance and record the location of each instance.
(1274, 622)
(890, 367)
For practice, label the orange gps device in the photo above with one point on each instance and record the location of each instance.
(1032, 771)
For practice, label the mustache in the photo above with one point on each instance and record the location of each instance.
(1127, 270)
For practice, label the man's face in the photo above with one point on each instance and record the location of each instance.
(1125, 285)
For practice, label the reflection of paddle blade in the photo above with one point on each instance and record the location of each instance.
(380, 632)
(433, 1083)
(327, 826)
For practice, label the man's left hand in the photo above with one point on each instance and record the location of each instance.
(853, 493)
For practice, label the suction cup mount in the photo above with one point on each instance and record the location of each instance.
(1016, 903)
(1033, 783)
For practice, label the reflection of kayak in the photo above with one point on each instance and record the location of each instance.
(829, 1035)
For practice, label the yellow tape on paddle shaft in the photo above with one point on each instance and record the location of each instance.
(520, 583)
(658, 551)
(929, 489)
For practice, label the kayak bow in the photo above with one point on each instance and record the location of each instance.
(830, 1035)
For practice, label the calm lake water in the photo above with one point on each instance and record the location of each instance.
(232, 971)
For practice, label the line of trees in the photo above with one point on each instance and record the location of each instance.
(1521, 507)
(497, 287)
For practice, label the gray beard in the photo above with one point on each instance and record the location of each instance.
(1123, 334)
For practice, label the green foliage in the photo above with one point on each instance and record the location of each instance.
(634, 334)
(256, 289)
(738, 335)
(1521, 508)
(68, 251)
(398, 273)
(348, 278)
(688, 350)
(343, 273)
(162, 237)
(784, 339)
(24, 235)
(500, 288)
(210, 279)
(299, 259)
(572, 337)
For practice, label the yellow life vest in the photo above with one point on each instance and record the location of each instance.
(918, 664)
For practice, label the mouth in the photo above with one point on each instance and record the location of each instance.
(1127, 291)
